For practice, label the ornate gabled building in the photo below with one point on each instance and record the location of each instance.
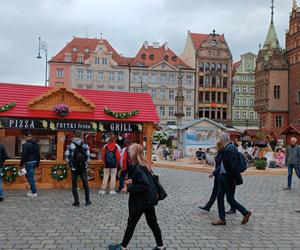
(293, 56)
(210, 55)
(271, 84)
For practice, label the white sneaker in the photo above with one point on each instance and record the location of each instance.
(101, 191)
(112, 192)
(31, 195)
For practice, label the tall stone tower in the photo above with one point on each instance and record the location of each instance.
(293, 56)
(271, 83)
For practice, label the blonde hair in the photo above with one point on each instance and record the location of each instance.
(138, 156)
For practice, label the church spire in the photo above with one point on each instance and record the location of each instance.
(271, 41)
(295, 6)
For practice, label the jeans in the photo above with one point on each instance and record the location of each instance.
(122, 179)
(213, 196)
(290, 173)
(30, 166)
(1, 190)
(83, 176)
(227, 186)
(151, 219)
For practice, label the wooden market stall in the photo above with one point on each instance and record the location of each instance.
(96, 113)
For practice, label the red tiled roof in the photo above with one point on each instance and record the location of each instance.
(147, 57)
(198, 38)
(87, 43)
(295, 127)
(116, 101)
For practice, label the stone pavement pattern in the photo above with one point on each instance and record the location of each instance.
(50, 222)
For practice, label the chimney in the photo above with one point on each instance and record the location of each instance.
(146, 44)
(156, 45)
(166, 46)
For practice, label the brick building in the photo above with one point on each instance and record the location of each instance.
(210, 55)
(271, 84)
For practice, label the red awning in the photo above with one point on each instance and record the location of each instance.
(116, 101)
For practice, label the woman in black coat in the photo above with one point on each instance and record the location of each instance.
(142, 198)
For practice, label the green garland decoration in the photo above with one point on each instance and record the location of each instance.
(7, 106)
(13, 173)
(59, 172)
(121, 115)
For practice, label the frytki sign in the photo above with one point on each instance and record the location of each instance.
(60, 125)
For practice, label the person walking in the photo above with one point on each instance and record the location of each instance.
(3, 158)
(142, 198)
(228, 177)
(78, 156)
(30, 158)
(292, 161)
(111, 158)
(215, 173)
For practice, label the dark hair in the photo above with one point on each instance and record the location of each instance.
(28, 133)
(78, 133)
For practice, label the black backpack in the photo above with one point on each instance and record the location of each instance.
(110, 158)
(79, 158)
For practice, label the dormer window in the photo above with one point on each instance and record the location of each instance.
(143, 56)
(139, 64)
(87, 50)
(174, 58)
(74, 49)
(67, 58)
(166, 58)
(151, 57)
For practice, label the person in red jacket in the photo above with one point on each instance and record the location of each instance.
(111, 158)
(125, 163)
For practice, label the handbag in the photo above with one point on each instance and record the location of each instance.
(161, 192)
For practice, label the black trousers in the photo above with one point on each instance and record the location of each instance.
(151, 219)
(83, 176)
(214, 193)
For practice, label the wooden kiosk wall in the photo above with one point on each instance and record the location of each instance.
(43, 176)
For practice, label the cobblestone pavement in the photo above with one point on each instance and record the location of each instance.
(50, 222)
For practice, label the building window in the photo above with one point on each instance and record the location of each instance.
(111, 76)
(276, 92)
(67, 58)
(224, 114)
(298, 97)
(251, 102)
(225, 82)
(244, 88)
(89, 75)
(251, 114)
(162, 111)
(237, 102)
(171, 111)
(104, 61)
(278, 121)
(218, 81)
(145, 77)
(212, 67)
(251, 89)
(80, 59)
(237, 114)
(163, 78)
(80, 74)
(188, 111)
(171, 94)
(218, 97)
(201, 96)
(172, 78)
(189, 95)
(135, 90)
(213, 96)
(207, 96)
(189, 79)
(101, 76)
(136, 77)
(120, 76)
(153, 93)
(224, 97)
(201, 67)
(59, 73)
(97, 60)
(244, 114)
(201, 80)
(213, 81)
(244, 102)
(162, 94)
(206, 81)
(154, 78)
(206, 66)
(237, 88)
(225, 68)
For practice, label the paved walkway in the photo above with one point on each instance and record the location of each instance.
(50, 222)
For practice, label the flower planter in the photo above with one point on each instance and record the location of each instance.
(260, 164)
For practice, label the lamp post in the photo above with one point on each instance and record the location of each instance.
(43, 46)
(179, 99)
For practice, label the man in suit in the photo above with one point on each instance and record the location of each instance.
(229, 176)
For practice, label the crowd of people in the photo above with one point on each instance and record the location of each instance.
(136, 177)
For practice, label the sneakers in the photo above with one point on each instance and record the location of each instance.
(219, 223)
(246, 218)
(31, 195)
(2, 197)
(204, 208)
(112, 192)
(101, 191)
(231, 211)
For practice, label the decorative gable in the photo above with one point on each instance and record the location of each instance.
(59, 95)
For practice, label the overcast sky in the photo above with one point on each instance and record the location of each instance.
(126, 24)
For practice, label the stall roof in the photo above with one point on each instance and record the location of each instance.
(194, 122)
(117, 101)
(292, 128)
